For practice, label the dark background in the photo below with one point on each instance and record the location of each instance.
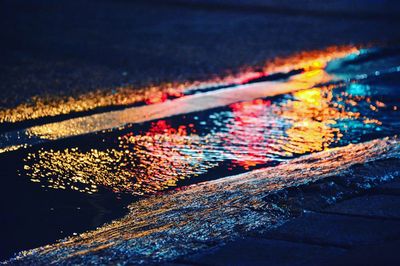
(65, 47)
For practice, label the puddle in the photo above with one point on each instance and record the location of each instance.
(83, 181)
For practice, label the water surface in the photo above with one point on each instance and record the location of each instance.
(69, 183)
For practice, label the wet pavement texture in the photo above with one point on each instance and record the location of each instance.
(259, 143)
(358, 231)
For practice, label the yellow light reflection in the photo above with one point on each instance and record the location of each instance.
(312, 114)
(142, 164)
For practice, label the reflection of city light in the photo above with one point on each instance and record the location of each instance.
(311, 96)
(49, 106)
(312, 115)
(309, 79)
(142, 164)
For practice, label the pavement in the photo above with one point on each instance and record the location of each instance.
(363, 230)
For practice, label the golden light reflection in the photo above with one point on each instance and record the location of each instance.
(142, 164)
(50, 106)
(312, 114)
(309, 60)
(13, 148)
